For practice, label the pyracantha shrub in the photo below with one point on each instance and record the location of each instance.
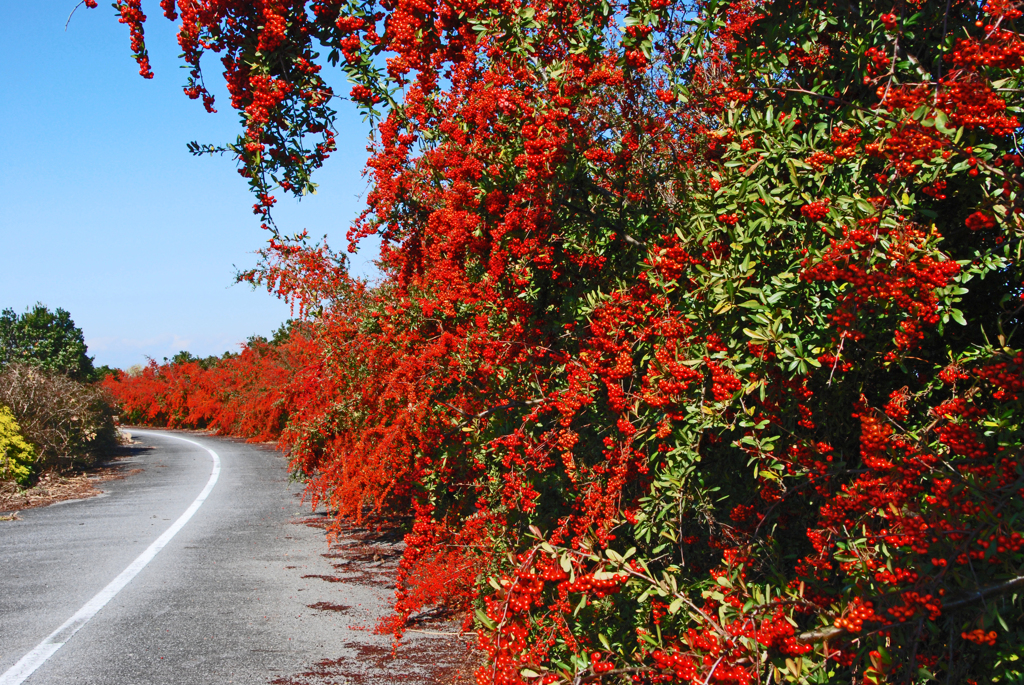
(693, 355)
(248, 394)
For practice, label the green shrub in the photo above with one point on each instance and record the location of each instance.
(50, 340)
(17, 456)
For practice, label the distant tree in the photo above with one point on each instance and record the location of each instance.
(183, 357)
(47, 339)
(256, 340)
(280, 336)
(101, 372)
(283, 332)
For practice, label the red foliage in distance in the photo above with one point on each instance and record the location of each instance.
(249, 394)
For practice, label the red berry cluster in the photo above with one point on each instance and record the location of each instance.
(980, 637)
(130, 12)
(816, 211)
(856, 615)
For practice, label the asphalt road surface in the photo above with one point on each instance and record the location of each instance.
(235, 596)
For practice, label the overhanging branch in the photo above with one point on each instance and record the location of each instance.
(832, 632)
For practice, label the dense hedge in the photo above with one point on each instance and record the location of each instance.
(246, 394)
(694, 354)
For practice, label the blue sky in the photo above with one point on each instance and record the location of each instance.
(105, 213)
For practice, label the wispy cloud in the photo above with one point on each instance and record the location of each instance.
(123, 352)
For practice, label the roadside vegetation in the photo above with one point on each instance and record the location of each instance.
(248, 394)
(695, 357)
(17, 456)
(54, 418)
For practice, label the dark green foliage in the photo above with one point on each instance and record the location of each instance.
(101, 372)
(283, 332)
(50, 340)
(186, 357)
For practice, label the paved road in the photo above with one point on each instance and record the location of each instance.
(225, 601)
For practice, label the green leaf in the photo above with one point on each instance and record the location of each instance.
(485, 620)
(754, 334)
(942, 123)
(792, 173)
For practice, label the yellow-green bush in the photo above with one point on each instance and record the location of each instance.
(16, 454)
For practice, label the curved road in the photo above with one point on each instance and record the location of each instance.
(224, 601)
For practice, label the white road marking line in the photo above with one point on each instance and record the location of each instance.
(27, 665)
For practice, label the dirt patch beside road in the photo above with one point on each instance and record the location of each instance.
(53, 487)
(433, 652)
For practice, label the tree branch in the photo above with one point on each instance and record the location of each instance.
(831, 632)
